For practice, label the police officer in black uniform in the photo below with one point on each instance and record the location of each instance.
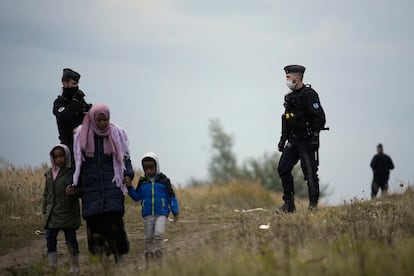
(301, 123)
(69, 107)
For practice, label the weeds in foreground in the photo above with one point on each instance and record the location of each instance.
(21, 192)
(219, 233)
(370, 238)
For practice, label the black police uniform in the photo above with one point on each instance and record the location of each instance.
(302, 121)
(69, 109)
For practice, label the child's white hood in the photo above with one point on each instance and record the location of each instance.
(155, 157)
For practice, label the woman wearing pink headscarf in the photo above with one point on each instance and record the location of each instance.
(102, 162)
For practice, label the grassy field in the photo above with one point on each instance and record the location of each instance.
(218, 234)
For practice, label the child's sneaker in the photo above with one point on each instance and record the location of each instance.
(149, 256)
(158, 257)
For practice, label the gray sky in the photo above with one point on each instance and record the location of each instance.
(166, 67)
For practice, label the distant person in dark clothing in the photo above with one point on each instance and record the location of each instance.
(381, 165)
(70, 107)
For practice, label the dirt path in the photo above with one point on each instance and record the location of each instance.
(190, 231)
(23, 256)
(20, 258)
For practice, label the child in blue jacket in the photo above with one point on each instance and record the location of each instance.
(157, 198)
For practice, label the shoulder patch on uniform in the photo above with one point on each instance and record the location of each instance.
(61, 109)
(315, 106)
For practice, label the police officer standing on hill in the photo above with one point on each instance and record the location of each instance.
(302, 121)
(70, 107)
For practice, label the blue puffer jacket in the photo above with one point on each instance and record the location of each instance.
(99, 194)
(156, 195)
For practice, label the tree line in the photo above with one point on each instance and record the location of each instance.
(224, 168)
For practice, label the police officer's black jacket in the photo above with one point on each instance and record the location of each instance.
(303, 115)
(69, 109)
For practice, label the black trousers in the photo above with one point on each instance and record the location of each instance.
(292, 153)
(376, 185)
(106, 234)
(70, 238)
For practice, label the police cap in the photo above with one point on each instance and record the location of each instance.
(69, 74)
(294, 69)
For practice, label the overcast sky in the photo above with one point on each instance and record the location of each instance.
(165, 68)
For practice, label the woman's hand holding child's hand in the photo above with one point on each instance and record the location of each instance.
(127, 181)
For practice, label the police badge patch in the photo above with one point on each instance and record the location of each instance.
(315, 106)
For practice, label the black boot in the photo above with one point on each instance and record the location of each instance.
(313, 204)
(288, 207)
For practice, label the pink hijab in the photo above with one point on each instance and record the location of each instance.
(90, 129)
(56, 169)
(115, 143)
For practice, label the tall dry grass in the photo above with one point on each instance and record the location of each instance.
(363, 238)
(219, 234)
(21, 191)
(240, 195)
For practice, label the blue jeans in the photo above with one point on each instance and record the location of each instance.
(154, 229)
(70, 237)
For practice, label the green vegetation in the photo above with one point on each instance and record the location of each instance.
(223, 166)
(218, 234)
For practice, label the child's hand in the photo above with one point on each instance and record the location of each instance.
(70, 190)
(127, 181)
(175, 218)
